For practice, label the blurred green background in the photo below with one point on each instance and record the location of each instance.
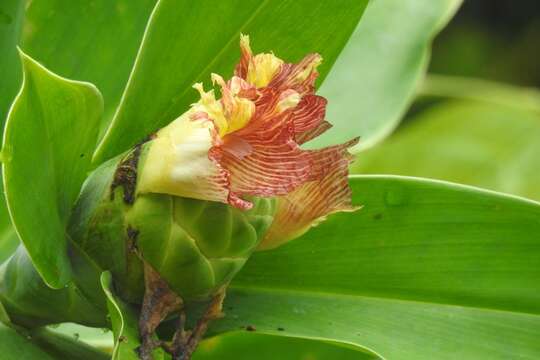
(476, 119)
(492, 39)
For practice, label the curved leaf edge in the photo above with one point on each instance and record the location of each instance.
(26, 62)
(449, 185)
(426, 56)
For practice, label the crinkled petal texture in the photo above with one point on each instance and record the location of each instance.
(247, 143)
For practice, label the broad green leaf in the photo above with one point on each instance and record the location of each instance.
(425, 270)
(495, 146)
(125, 325)
(185, 41)
(377, 75)
(49, 138)
(94, 41)
(11, 19)
(41, 344)
(248, 346)
(29, 302)
(395, 329)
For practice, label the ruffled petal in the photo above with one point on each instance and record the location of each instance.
(299, 77)
(257, 70)
(245, 57)
(308, 206)
(272, 164)
(308, 118)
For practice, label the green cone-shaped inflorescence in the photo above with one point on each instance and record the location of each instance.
(196, 246)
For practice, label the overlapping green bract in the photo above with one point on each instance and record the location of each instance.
(196, 246)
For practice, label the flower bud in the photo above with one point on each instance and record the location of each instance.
(196, 246)
(226, 178)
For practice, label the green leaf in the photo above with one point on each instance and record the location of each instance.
(101, 338)
(457, 87)
(63, 347)
(124, 320)
(376, 76)
(11, 20)
(41, 344)
(15, 346)
(425, 270)
(29, 302)
(8, 237)
(176, 54)
(248, 346)
(49, 138)
(486, 144)
(94, 41)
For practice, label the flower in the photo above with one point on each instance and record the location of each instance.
(248, 144)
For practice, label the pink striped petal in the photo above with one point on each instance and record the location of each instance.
(309, 205)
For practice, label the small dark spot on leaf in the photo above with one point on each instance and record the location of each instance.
(377, 216)
(82, 155)
(122, 339)
(251, 328)
(280, 329)
(77, 336)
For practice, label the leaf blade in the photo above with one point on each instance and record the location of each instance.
(156, 94)
(93, 41)
(246, 346)
(393, 329)
(375, 78)
(41, 344)
(11, 20)
(452, 260)
(58, 119)
(486, 144)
